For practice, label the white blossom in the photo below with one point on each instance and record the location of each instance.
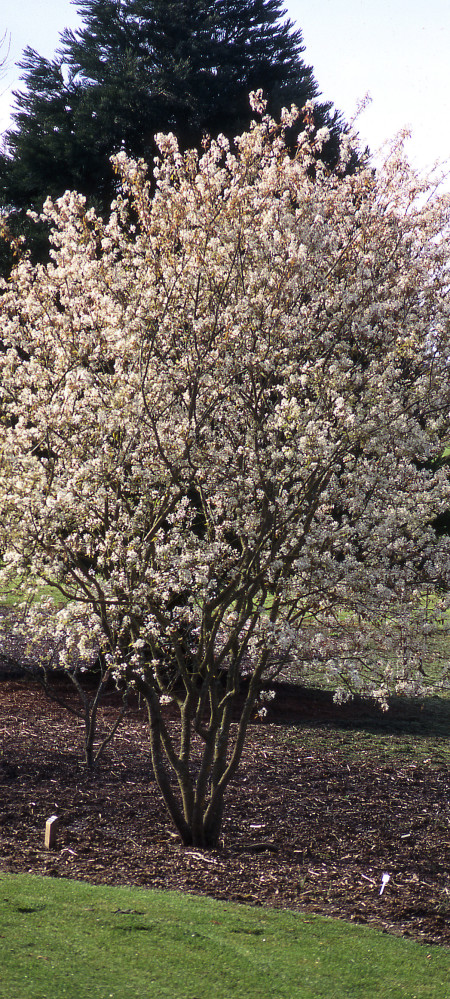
(220, 423)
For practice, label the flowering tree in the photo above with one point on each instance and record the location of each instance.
(220, 411)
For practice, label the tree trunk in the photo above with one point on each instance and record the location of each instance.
(198, 816)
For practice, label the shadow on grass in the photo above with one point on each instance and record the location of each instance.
(294, 705)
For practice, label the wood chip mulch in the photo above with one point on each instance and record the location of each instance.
(304, 830)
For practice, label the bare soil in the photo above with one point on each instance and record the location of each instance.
(304, 830)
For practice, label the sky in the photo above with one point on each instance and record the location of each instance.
(396, 51)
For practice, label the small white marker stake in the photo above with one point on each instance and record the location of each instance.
(384, 881)
(51, 826)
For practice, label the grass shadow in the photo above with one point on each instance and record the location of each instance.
(297, 705)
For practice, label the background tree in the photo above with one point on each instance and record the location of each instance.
(213, 409)
(135, 68)
(6, 249)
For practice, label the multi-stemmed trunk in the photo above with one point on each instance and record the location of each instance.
(88, 709)
(193, 779)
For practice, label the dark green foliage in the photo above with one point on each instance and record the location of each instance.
(135, 68)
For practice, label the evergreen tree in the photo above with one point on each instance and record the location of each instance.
(135, 68)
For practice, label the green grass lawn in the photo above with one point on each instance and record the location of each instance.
(62, 938)
(13, 594)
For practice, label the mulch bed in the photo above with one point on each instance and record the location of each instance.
(303, 830)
